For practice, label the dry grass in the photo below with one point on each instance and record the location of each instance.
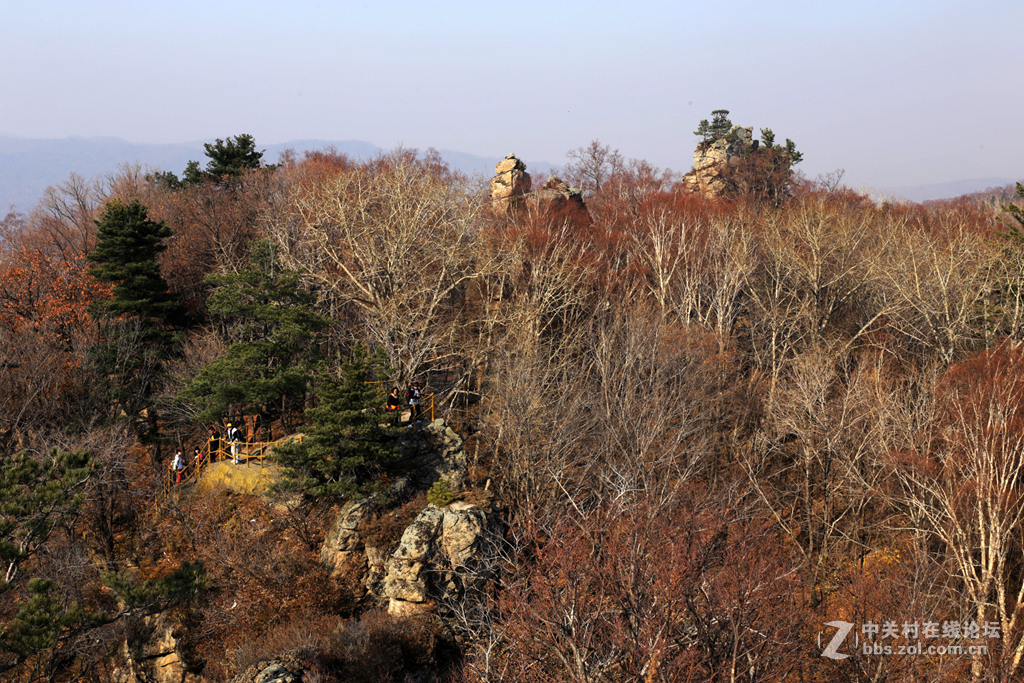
(375, 647)
(240, 478)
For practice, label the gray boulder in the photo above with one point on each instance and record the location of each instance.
(436, 556)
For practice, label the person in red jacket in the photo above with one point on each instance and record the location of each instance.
(198, 459)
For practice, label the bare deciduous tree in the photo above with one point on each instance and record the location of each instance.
(938, 281)
(816, 464)
(591, 166)
(962, 484)
(393, 243)
(816, 281)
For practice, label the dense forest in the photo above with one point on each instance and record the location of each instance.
(710, 433)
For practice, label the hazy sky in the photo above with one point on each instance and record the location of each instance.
(894, 92)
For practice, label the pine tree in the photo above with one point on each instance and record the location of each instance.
(36, 496)
(156, 595)
(228, 159)
(717, 128)
(142, 318)
(128, 244)
(346, 450)
(269, 319)
(42, 621)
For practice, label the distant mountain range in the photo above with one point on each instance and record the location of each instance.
(956, 188)
(29, 166)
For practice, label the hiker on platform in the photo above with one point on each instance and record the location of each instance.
(234, 436)
(198, 459)
(213, 446)
(394, 405)
(412, 396)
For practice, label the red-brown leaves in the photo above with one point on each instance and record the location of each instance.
(653, 594)
(48, 295)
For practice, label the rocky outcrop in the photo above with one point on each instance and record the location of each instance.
(284, 669)
(441, 553)
(435, 451)
(438, 455)
(376, 569)
(510, 181)
(712, 162)
(343, 541)
(511, 189)
(405, 579)
(556, 197)
(438, 557)
(151, 654)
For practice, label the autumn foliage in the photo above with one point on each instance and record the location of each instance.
(707, 426)
(47, 295)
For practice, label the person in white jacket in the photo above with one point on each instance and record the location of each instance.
(234, 436)
(178, 466)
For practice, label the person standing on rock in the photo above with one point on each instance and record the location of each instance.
(412, 396)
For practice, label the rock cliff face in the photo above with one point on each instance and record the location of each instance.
(151, 655)
(711, 162)
(439, 553)
(557, 197)
(343, 540)
(440, 457)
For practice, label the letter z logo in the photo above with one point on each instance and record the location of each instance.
(843, 629)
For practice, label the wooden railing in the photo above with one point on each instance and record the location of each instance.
(218, 449)
(247, 452)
